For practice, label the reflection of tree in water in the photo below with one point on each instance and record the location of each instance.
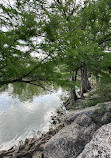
(26, 92)
(22, 91)
(64, 88)
(3, 88)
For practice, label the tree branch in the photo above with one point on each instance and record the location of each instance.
(105, 39)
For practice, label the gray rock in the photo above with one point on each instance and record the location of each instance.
(71, 116)
(100, 145)
(94, 111)
(106, 117)
(70, 141)
(83, 120)
(80, 125)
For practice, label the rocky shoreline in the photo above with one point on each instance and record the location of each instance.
(81, 135)
(31, 148)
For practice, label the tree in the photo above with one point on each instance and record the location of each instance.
(22, 25)
(81, 37)
(73, 35)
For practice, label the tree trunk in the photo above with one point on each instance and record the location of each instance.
(73, 96)
(85, 84)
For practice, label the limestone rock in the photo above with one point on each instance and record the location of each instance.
(100, 145)
(98, 114)
(70, 141)
(71, 116)
(83, 120)
(106, 117)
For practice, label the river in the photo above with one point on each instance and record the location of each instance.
(24, 110)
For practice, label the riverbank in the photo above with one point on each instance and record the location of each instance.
(66, 141)
(32, 147)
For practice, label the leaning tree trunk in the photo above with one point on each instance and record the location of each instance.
(85, 84)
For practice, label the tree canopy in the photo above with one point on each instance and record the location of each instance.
(51, 42)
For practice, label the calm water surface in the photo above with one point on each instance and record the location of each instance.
(25, 109)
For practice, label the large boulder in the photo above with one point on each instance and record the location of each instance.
(100, 145)
(72, 115)
(101, 114)
(80, 125)
(70, 141)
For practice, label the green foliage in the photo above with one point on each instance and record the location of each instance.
(104, 89)
(100, 95)
(72, 35)
(51, 28)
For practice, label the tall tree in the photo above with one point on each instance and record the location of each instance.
(80, 34)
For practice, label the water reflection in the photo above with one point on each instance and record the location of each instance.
(23, 109)
(22, 91)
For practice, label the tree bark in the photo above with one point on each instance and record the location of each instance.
(85, 84)
(73, 96)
